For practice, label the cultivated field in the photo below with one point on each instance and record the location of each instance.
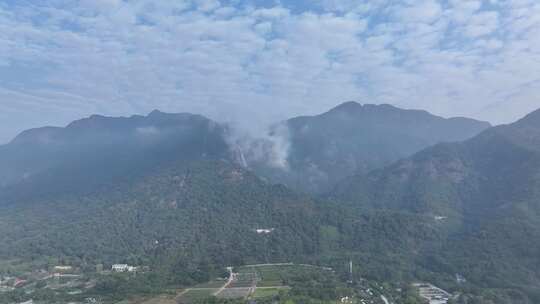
(265, 292)
(192, 295)
(254, 282)
(235, 292)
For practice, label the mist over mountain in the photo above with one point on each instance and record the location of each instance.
(306, 153)
(319, 151)
(98, 151)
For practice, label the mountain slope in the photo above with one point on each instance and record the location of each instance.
(487, 188)
(354, 138)
(202, 212)
(97, 151)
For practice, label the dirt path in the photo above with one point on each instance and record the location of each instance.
(229, 281)
(179, 295)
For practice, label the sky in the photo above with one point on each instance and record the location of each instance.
(252, 63)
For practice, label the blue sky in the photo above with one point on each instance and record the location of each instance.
(256, 62)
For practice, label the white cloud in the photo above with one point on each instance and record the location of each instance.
(207, 5)
(481, 24)
(418, 11)
(259, 65)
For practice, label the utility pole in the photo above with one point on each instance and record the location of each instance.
(351, 280)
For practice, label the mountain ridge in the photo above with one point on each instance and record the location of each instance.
(323, 149)
(485, 188)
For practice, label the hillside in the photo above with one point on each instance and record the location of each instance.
(486, 188)
(186, 222)
(353, 138)
(202, 213)
(98, 151)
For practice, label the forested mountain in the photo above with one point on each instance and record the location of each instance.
(181, 217)
(165, 190)
(318, 150)
(352, 138)
(187, 221)
(486, 189)
(98, 151)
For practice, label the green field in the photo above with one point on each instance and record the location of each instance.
(160, 300)
(211, 284)
(267, 275)
(275, 275)
(269, 280)
(196, 294)
(266, 292)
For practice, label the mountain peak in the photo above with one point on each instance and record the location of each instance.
(353, 106)
(155, 112)
(532, 119)
(348, 105)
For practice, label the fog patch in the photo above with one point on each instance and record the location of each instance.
(267, 147)
(147, 131)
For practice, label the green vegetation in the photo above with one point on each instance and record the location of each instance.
(196, 295)
(478, 203)
(267, 292)
(181, 208)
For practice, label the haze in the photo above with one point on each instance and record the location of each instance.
(256, 62)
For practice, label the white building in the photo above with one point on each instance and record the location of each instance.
(264, 231)
(123, 268)
(62, 268)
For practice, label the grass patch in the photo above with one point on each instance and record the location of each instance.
(195, 295)
(211, 284)
(268, 292)
(160, 300)
(275, 275)
(269, 283)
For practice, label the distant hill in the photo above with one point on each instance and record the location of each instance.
(98, 151)
(318, 151)
(486, 189)
(353, 138)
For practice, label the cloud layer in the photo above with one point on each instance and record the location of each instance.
(257, 63)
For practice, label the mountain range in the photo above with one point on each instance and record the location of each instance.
(405, 194)
(351, 138)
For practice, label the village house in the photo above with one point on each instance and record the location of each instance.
(123, 268)
(62, 268)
